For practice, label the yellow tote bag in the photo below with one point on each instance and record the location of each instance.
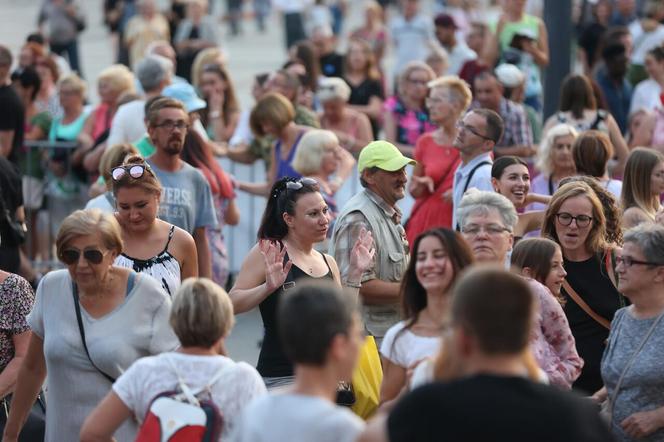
(367, 378)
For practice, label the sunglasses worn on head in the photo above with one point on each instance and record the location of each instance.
(71, 256)
(296, 185)
(135, 171)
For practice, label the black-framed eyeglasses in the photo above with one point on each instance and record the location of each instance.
(461, 126)
(71, 256)
(170, 125)
(566, 219)
(628, 261)
(135, 171)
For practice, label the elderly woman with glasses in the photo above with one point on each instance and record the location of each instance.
(152, 246)
(295, 219)
(632, 361)
(576, 221)
(487, 223)
(90, 322)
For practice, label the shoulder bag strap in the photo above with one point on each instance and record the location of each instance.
(629, 364)
(81, 330)
(585, 307)
(608, 262)
(472, 173)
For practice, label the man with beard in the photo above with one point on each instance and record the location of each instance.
(382, 170)
(186, 199)
(477, 134)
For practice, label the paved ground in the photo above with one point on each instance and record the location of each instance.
(248, 54)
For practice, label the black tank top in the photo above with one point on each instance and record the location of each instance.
(272, 362)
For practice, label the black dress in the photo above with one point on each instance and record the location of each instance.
(272, 362)
(591, 282)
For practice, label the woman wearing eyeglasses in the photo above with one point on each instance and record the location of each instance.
(295, 219)
(437, 159)
(576, 221)
(152, 246)
(487, 221)
(632, 361)
(90, 322)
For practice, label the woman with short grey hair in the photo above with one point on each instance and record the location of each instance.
(632, 360)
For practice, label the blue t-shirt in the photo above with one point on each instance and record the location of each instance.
(186, 198)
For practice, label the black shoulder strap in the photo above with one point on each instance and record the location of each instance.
(81, 330)
(472, 173)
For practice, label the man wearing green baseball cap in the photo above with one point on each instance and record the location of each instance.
(382, 170)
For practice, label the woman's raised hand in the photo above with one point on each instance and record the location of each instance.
(275, 270)
(363, 252)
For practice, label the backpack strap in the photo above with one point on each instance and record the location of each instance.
(190, 394)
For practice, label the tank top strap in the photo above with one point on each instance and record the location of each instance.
(326, 263)
(171, 232)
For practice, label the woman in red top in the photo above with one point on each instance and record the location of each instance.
(437, 159)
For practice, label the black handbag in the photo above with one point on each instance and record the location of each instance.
(15, 229)
(34, 428)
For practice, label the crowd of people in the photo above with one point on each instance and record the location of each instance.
(520, 298)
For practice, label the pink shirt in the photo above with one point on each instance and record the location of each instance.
(552, 342)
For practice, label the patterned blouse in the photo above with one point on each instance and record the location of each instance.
(410, 123)
(16, 300)
(552, 342)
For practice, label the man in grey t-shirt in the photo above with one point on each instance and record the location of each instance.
(321, 333)
(186, 198)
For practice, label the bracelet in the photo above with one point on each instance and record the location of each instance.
(215, 114)
(355, 285)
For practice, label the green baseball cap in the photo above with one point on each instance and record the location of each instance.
(383, 155)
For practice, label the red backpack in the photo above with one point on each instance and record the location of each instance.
(183, 415)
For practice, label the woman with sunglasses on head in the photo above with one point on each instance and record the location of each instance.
(575, 220)
(90, 322)
(439, 257)
(152, 246)
(295, 219)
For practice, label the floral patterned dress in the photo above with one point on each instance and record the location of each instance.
(16, 300)
(410, 123)
(215, 238)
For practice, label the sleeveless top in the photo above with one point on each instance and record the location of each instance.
(272, 362)
(163, 267)
(285, 167)
(599, 123)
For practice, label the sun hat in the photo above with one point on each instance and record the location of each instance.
(185, 93)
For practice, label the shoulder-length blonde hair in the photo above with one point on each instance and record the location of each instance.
(544, 157)
(120, 78)
(458, 88)
(311, 149)
(596, 241)
(637, 182)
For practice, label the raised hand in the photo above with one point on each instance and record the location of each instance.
(362, 254)
(275, 270)
(425, 181)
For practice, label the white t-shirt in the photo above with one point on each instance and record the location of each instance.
(457, 56)
(100, 202)
(150, 376)
(646, 96)
(296, 418)
(408, 347)
(644, 41)
(128, 123)
(613, 186)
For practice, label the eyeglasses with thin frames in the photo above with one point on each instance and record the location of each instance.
(461, 126)
(628, 261)
(169, 125)
(491, 229)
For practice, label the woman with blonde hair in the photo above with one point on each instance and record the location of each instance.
(91, 321)
(575, 220)
(405, 113)
(202, 318)
(437, 159)
(365, 82)
(152, 246)
(319, 156)
(554, 161)
(643, 184)
(352, 127)
(112, 83)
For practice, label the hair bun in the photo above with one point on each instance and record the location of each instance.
(134, 159)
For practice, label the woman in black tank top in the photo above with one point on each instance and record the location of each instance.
(295, 219)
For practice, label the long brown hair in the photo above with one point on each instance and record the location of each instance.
(231, 104)
(637, 181)
(371, 69)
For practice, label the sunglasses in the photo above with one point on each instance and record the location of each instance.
(135, 171)
(71, 256)
(296, 185)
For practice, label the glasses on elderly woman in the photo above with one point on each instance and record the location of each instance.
(135, 171)
(71, 256)
(628, 261)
